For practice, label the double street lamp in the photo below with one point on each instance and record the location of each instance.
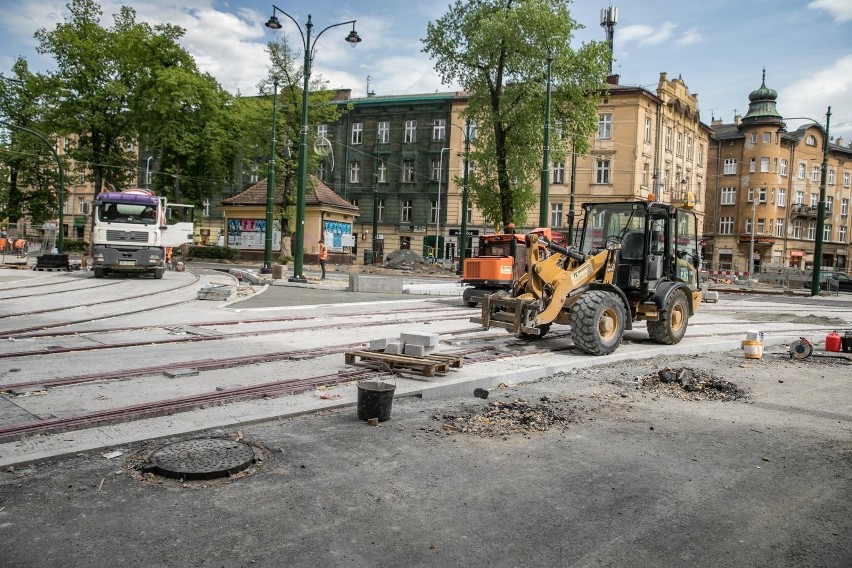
(353, 39)
(463, 229)
(820, 226)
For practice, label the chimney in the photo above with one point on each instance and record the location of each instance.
(716, 122)
(612, 79)
(839, 141)
(371, 94)
(738, 118)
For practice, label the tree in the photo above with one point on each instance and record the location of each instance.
(497, 50)
(26, 162)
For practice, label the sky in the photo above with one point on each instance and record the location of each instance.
(718, 47)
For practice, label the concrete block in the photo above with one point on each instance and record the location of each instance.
(379, 344)
(711, 297)
(424, 339)
(395, 348)
(415, 350)
(380, 284)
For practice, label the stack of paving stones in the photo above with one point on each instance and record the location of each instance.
(411, 344)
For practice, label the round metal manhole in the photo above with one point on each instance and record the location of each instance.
(201, 459)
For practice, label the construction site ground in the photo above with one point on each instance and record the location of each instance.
(571, 460)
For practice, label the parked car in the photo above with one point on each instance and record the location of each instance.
(842, 281)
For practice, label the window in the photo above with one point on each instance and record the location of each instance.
(726, 225)
(841, 234)
(750, 195)
(779, 228)
(783, 171)
(730, 166)
(800, 197)
(602, 171)
(433, 211)
(357, 133)
(774, 165)
(811, 236)
(558, 174)
(826, 232)
(408, 171)
(322, 131)
(782, 197)
(605, 125)
(436, 169)
(797, 229)
(645, 168)
(382, 173)
(205, 204)
(404, 243)
(647, 129)
(321, 171)
(767, 137)
(355, 172)
(754, 137)
(761, 226)
(383, 132)
(801, 173)
(748, 226)
(846, 178)
(844, 206)
(752, 164)
(380, 207)
(701, 154)
(729, 196)
(815, 173)
(830, 177)
(810, 140)
(354, 202)
(689, 148)
(82, 200)
(814, 199)
(439, 129)
(555, 214)
(469, 215)
(668, 138)
(761, 195)
(679, 145)
(764, 165)
(829, 203)
(410, 131)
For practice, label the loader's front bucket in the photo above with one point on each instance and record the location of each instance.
(514, 314)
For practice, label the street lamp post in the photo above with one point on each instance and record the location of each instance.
(60, 242)
(270, 187)
(353, 39)
(821, 208)
(438, 248)
(545, 166)
(463, 230)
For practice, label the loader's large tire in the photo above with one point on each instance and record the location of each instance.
(597, 322)
(671, 329)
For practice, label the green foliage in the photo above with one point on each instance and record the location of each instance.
(214, 252)
(284, 259)
(74, 245)
(498, 52)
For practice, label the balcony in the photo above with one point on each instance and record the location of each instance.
(805, 211)
(685, 199)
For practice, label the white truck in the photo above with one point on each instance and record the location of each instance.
(132, 230)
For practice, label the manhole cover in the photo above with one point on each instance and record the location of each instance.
(201, 459)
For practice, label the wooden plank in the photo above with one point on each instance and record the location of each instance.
(427, 367)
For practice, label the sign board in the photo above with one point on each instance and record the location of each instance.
(250, 234)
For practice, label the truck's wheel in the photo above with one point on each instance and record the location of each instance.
(99, 272)
(597, 322)
(158, 273)
(672, 327)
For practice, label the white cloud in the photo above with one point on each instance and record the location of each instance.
(812, 95)
(691, 37)
(840, 10)
(644, 35)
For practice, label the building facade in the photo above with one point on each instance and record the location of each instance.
(765, 191)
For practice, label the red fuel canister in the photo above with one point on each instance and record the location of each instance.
(832, 342)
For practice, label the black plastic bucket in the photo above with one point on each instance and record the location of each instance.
(375, 399)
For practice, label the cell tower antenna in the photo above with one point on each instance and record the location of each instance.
(609, 17)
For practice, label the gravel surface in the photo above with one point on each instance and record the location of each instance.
(597, 467)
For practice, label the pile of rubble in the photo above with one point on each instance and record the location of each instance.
(690, 384)
(406, 261)
(501, 418)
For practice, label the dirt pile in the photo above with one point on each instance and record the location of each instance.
(405, 261)
(690, 384)
(501, 418)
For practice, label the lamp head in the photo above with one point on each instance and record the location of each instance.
(353, 38)
(273, 23)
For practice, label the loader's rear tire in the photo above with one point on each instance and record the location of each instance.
(597, 322)
(671, 328)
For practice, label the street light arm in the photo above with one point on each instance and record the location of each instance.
(292, 19)
(313, 47)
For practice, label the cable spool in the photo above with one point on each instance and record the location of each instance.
(801, 349)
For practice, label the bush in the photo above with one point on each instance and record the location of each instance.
(75, 245)
(214, 252)
(285, 259)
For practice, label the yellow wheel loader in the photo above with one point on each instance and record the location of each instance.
(635, 260)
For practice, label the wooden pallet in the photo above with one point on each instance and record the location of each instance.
(427, 366)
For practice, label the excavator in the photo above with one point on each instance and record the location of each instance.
(634, 261)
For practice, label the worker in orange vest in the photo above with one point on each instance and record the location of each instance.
(4, 242)
(323, 256)
(20, 244)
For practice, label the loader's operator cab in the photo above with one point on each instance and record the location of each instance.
(658, 243)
